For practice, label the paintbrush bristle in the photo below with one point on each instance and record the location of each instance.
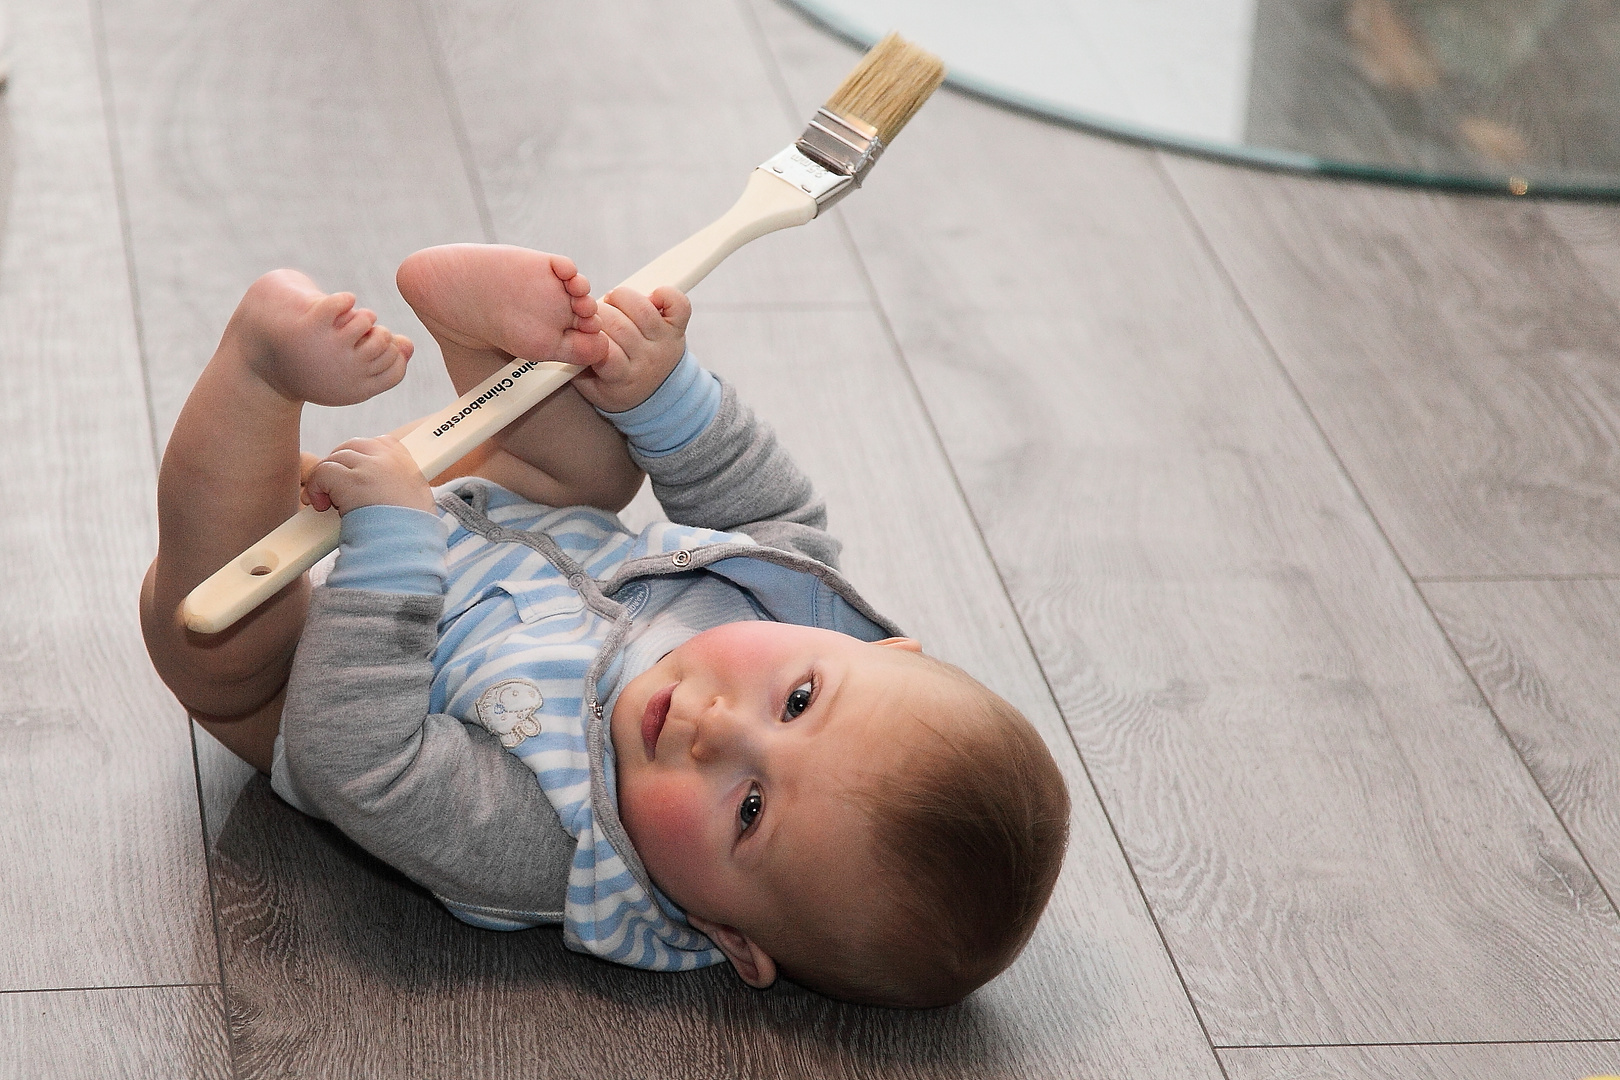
(888, 86)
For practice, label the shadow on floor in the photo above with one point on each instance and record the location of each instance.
(335, 962)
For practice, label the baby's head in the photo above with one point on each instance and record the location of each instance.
(871, 822)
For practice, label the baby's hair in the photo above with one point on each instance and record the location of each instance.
(969, 842)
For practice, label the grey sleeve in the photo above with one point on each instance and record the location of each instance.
(445, 804)
(737, 477)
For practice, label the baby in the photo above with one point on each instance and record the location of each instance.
(693, 745)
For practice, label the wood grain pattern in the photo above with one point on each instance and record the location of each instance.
(1592, 232)
(102, 878)
(1457, 353)
(306, 134)
(132, 1033)
(1495, 1061)
(1336, 840)
(1543, 652)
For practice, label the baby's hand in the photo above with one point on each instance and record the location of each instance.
(368, 472)
(646, 339)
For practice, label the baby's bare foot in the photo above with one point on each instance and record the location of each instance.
(508, 301)
(313, 346)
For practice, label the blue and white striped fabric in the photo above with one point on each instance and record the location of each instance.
(516, 643)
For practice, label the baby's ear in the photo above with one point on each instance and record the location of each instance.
(908, 644)
(753, 966)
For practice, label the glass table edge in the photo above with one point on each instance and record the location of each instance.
(1258, 156)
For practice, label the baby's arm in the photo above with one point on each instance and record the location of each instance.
(445, 804)
(712, 462)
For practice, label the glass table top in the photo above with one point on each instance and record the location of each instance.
(1519, 96)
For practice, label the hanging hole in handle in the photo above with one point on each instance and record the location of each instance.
(259, 563)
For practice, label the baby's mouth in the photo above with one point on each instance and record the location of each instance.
(652, 720)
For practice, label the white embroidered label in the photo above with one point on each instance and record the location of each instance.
(507, 709)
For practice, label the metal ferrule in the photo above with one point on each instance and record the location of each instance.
(811, 177)
(843, 145)
(830, 159)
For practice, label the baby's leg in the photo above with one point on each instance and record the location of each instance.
(488, 303)
(231, 473)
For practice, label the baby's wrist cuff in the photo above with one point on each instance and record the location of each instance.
(391, 549)
(680, 409)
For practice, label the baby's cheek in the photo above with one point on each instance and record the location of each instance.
(667, 822)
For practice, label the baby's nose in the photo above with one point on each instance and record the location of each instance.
(717, 732)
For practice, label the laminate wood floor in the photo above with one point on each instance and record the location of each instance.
(1285, 509)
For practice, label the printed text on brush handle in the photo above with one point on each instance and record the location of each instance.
(768, 203)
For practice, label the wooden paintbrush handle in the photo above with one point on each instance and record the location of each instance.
(768, 203)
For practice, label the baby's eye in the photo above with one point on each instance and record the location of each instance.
(752, 805)
(799, 700)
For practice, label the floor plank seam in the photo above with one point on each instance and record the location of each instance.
(1244, 306)
(98, 30)
(109, 117)
(882, 316)
(773, 70)
(1023, 631)
(1518, 752)
(213, 901)
(109, 989)
(458, 125)
(1242, 303)
(1508, 579)
(1458, 1042)
(743, 306)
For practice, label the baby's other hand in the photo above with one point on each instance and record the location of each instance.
(646, 339)
(368, 472)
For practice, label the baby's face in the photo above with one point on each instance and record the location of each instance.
(736, 755)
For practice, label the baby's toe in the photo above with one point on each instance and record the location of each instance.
(389, 368)
(356, 324)
(334, 307)
(583, 347)
(371, 344)
(564, 269)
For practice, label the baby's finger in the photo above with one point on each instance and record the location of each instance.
(673, 304)
(318, 487)
(620, 330)
(647, 318)
(344, 457)
(365, 446)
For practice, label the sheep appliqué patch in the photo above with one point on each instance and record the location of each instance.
(507, 710)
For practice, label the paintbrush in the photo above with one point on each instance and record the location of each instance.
(827, 162)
